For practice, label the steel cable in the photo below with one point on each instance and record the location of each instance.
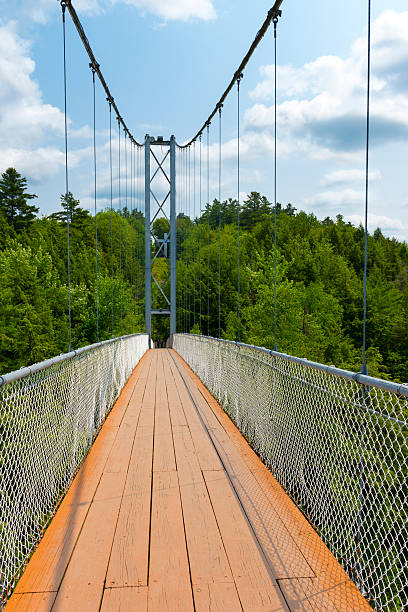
(95, 195)
(63, 7)
(219, 221)
(111, 200)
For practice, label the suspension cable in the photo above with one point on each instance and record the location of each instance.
(189, 239)
(272, 13)
(208, 229)
(194, 233)
(120, 233)
(239, 211)
(96, 65)
(275, 27)
(131, 224)
(364, 367)
(126, 274)
(219, 220)
(111, 199)
(96, 220)
(199, 252)
(63, 7)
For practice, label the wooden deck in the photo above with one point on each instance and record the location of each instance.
(172, 511)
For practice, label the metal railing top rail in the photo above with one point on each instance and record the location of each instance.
(42, 365)
(367, 381)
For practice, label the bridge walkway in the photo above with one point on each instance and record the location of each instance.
(172, 510)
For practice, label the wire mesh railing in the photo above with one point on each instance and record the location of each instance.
(50, 414)
(336, 441)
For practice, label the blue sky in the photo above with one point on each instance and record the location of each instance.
(167, 62)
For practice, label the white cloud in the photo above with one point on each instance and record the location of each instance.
(336, 201)
(387, 224)
(169, 10)
(182, 10)
(323, 107)
(342, 177)
(25, 121)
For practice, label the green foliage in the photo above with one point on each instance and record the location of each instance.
(33, 278)
(319, 285)
(13, 200)
(319, 281)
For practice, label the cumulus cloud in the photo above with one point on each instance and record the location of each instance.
(182, 10)
(386, 224)
(25, 121)
(323, 107)
(333, 201)
(344, 177)
(169, 10)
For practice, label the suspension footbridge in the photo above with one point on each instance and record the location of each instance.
(210, 474)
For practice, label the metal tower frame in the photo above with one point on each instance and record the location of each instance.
(150, 143)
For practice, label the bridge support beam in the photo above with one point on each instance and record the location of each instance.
(155, 209)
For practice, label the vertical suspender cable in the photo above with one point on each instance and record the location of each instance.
(219, 221)
(208, 229)
(120, 236)
(194, 232)
(132, 220)
(63, 6)
(126, 233)
(364, 368)
(275, 346)
(199, 251)
(138, 228)
(96, 220)
(111, 199)
(131, 225)
(189, 239)
(239, 212)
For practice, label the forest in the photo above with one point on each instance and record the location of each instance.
(320, 266)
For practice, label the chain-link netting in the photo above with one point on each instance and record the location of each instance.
(336, 441)
(49, 417)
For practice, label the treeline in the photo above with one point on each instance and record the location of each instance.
(34, 279)
(319, 281)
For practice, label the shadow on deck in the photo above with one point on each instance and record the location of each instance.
(172, 510)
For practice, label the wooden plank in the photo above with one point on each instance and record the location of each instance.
(164, 460)
(82, 586)
(208, 460)
(216, 596)
(128, 564)
(146, 417)
(30, 602)
(127, 391)
(131, 599)
(329, 595)
(169, 578)
(177, 416)
(295, 596)
(257, 591)
(208, 561)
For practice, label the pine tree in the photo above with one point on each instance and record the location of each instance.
(13, 200)
(76, 215)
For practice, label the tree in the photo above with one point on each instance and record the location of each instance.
(13, 200)
(254, 208)
(77, 216)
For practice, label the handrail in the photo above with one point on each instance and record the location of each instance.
(42, 365)
(362, 379)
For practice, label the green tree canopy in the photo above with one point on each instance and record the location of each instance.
(14, 200)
